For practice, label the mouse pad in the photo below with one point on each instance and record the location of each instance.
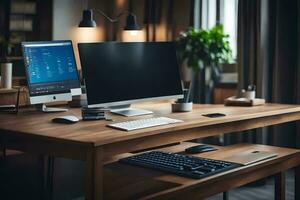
(250, 157)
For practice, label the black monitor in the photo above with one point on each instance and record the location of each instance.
(123, 73)
(51, 72)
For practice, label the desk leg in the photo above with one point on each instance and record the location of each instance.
(297, 183)
(280, 186)
(94, 175)
(3, 149)
(50, 177)
(225, 195)
(41, 176)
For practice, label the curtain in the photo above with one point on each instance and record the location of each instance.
(268, 56)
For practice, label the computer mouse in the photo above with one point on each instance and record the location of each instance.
(200, 149)
(68, 119)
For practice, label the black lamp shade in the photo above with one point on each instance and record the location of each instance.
(131, 23)
(87, 19)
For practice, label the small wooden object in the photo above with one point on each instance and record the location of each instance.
(9, 96)
(233, 101)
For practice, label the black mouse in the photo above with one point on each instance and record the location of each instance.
(200, 149)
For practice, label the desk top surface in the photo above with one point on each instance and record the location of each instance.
(34, 123)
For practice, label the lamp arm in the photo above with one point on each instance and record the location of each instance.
(111, 19)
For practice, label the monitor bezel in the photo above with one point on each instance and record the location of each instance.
(59, 96)
(126, 102)
(65, 96)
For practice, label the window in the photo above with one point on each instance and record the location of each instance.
(207, 13)
(228, 17)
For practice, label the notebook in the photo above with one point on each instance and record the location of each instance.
(250, 157)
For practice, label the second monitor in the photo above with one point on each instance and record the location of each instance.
(124, 73)
(51, 73)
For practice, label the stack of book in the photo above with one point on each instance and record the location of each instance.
(93, 113)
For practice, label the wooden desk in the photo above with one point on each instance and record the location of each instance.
(93, 142)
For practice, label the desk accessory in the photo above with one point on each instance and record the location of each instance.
(6, 75)
(245, 98)
(234, 101)
(250, 157)
(183, 104)
(214, 115)
(93, 113)
(248, 93)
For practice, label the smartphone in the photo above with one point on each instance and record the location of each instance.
(214, 115)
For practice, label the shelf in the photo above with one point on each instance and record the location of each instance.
(8, 96)
(26, 14)
(14, 58)
(138, 182)
(39, 17)
(12, 90)
(7, 91)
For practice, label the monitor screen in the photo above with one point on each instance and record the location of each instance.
(117, 73)
(50, 67)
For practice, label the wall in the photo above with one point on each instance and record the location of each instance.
(174, 18)
(66, 16)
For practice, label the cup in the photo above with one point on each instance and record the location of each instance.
(248, 94)
(6, 75)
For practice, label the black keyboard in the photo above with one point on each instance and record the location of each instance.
(183, 165)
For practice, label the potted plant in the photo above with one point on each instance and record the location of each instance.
(203, 51)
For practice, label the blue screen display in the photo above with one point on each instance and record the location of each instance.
(53, 62)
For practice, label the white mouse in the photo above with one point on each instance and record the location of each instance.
(68, 119)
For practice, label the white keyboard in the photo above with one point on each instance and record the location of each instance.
(143, 123)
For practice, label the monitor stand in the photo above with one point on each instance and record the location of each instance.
(44, 108)
(129, 112)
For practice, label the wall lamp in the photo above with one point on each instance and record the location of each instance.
(131, 22)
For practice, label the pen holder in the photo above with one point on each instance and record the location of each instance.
(182, 107)
(248, 94)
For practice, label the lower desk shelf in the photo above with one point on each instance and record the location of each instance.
(122, 181)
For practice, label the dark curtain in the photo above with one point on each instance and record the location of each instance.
(268, 56)
(163, 20)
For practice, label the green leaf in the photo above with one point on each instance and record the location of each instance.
(202, 48)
